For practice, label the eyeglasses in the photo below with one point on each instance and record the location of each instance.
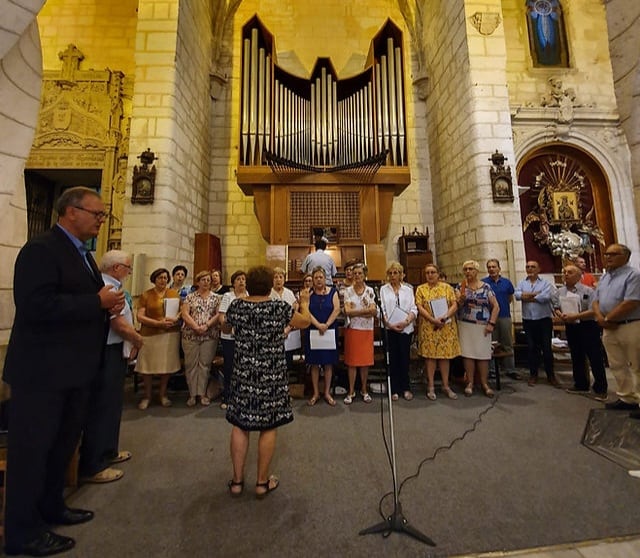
(97, 214)
(125, 265)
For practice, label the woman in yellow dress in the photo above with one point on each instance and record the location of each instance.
(437, 328)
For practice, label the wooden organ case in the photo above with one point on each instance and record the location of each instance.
(320, 151)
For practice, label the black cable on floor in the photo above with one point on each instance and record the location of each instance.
(439, 449)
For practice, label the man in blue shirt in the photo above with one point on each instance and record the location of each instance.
(535, 295)
(617, 310)
(320, 258)
(503, 332)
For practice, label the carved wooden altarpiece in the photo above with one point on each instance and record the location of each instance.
(82, 125)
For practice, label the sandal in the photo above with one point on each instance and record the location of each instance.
(165, 401)
(450, 393)
(122, 456)
(394, 397)
(468, 391)
(349, 399)
(313, 400)
(431, 394)
(268, 486)
(330, 400)
(191, 401)
(487, 390)
(366, 397)
(205, 401)
(238, 491)
(408, 396)
(143, 405)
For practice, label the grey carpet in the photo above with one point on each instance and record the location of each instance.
(521, 479)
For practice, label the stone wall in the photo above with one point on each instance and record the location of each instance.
(104, 31)
(624, 33)
(468, 120)
(170, 115)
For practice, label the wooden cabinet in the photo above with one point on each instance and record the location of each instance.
(414, 254)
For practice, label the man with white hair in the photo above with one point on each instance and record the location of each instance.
(102, 425)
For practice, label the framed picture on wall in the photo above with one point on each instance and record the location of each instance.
(565, 206)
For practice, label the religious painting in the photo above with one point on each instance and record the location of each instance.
(565, 206)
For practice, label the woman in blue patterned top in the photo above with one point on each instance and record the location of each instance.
(477, 315)
(259, 398)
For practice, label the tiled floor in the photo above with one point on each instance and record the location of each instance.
(619, 548)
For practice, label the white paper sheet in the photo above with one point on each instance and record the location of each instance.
(570, 304)
(293, 341)
(439, 307)
(322, 342)
(171, 307)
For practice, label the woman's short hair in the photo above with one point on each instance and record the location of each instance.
(179, 268)
(319, 269)
(362, 266)
(237, 274)
(434, 266)
(351, 262)
(471, 263)
(395, 266)
(159, 271)
(201, 274)
(279, 271)
(260, 280)
(307, 275)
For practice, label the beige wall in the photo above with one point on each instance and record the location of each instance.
(171, 115)
(105, 32)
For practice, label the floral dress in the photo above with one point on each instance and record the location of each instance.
(259, 398)
(435, 343)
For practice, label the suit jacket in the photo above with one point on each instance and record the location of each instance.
(59, 331)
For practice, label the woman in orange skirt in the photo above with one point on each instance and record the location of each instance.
(360, 309)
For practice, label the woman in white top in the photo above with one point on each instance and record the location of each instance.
(238, 290)
(280, 292)
(360, 309)
(400, 313)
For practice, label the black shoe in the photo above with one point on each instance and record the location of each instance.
(45, 545)
(69, 516)
(514, 375)
(621, 405)
(634, 414)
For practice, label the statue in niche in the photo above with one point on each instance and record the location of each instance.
(547, 37)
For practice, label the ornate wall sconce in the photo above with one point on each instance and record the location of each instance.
(501, 181)
(144, 178)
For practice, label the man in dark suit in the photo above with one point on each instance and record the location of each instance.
(54, 352)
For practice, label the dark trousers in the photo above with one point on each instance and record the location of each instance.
(44, 429)
(228, 347)
(101, 431)
(584, 342)
(538, 334)
(399, 360)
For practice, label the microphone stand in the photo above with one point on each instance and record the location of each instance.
(396, 521)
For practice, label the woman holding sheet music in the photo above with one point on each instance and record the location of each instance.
(437, 329)
(320, 339)
(158, 313)
(399, 315)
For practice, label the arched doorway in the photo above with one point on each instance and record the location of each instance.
(567, 209)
